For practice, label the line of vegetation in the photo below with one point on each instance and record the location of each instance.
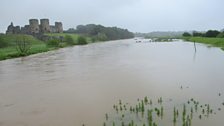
(212, 37)
(101, 33)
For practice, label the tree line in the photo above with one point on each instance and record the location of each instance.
(209, 33)
(101, 33)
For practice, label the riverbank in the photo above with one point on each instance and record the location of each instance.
(9, 44)
(216, 42)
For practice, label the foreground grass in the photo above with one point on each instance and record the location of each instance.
(216, 42)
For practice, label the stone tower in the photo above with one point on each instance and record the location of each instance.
(45, 26)
(34, 26)
(10, 29)
(58, 27)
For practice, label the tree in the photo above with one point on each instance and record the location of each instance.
(197, 34)
(211, 33)
(23, 45)
(186, 34)
(101, 37)
(2, 42)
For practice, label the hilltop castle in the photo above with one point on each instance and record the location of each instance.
(35, 28)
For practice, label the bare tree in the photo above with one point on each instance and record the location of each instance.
(23, 45)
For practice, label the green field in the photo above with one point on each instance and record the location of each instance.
(37, 46)
(216, 42)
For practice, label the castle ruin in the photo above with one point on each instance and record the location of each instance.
(35, 28)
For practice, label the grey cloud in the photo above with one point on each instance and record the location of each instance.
(136, 15)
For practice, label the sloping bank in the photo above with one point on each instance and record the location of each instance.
(12, 46)
(216, 42)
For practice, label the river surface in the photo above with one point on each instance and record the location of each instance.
(78, 85)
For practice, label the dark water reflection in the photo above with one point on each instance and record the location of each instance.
(77, 85)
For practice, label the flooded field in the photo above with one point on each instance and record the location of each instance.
(79, 85)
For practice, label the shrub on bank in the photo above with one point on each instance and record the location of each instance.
(81, 40)
(220, 35)
(53, 43)
(69, 40)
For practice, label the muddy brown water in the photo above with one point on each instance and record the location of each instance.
(78, 85)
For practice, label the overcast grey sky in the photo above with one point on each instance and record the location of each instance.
(135, 15)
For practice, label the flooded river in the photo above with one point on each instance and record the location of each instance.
(78, 85)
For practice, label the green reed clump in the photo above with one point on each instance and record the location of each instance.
(131, 109)
(174, 115)
(142, 106)
(146, 100)
(200, 116)
(120, 103)
(154, 124)
(149, 117)
(121, 108)
(150, 102)
(132, 122)
(161, 111)
(106, 115)
(122, 123)
(184, 113)
(160, 100)
(157, 111)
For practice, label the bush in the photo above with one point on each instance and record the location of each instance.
(220, 35)
(186, 34)
(53, 43)
(81, 40)
(3, 43)
(93, 39)
(69, 40)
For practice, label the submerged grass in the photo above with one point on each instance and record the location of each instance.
(143, 113)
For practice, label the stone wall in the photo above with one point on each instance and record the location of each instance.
(35, 28)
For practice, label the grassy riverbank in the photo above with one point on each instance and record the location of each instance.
(216, 42)
(9, 46)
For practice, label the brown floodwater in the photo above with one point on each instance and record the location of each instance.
(78, 85)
